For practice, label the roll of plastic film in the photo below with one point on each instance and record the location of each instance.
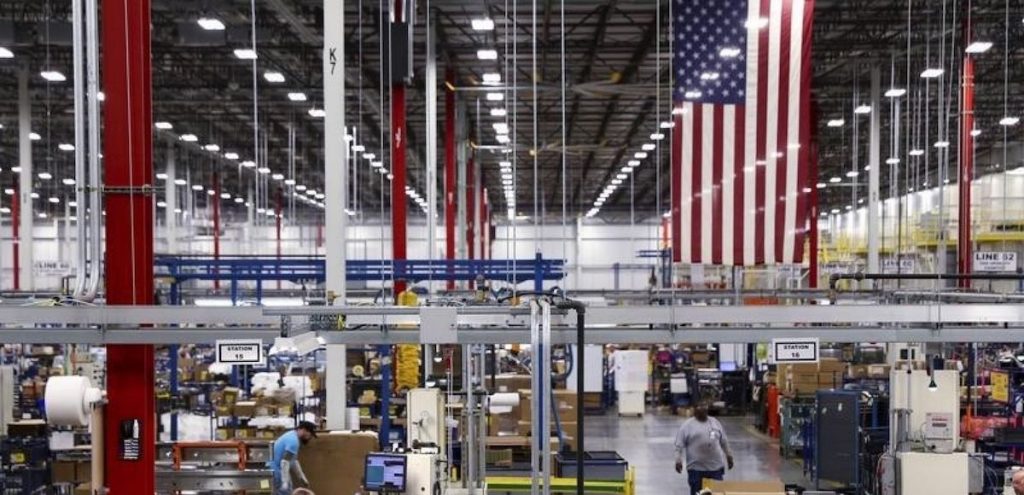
(69, 399)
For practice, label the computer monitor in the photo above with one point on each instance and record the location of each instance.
(385, 473)
(727, 366)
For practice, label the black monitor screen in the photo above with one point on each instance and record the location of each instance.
(385, 473)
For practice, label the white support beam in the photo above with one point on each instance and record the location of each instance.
(874, 159)
(336, 189)
(27, 215)
(171, 198)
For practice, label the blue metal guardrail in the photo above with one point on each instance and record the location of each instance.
(312, 269)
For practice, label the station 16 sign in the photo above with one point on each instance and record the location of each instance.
(995, 261)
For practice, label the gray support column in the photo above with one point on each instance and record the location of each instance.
(171, 198)
(431, 192)
(336, 189)
(25, 248)
(460, 197)
(874, 160)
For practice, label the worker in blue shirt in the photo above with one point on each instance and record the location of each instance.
(284, 461)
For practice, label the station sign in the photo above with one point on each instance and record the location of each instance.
(249, 351)
(797, 350)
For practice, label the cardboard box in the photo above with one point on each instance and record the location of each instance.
(878, 371)
(245, 409)
(334, 461)
(511, 382)
(63, 472)
(857, 371)
(565, 404)
(745, 487)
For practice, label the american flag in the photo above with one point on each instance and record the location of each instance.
(740, 148)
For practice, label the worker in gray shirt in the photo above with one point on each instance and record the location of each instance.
(701, 445)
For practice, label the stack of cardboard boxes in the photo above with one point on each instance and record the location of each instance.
(807, 378)
(517, 424)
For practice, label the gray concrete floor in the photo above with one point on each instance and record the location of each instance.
(647, 444)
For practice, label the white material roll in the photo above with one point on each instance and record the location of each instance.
(352, 418)
(502, 403)
(69, 400)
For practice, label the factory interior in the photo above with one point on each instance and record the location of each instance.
(471, 247)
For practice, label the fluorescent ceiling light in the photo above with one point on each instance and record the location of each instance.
(180, 182)
(657, 136)
(369, 156)
(5, 53)
(263, 170)
(68, 181)
(161, 176)
(273, 76)
(975, 132)
(101, 96)
(853, 173)
(249, 164)
(54, 199)
(483, 24)
(893, 161)
(358, 148)
(164, 126)
(616, 181)
(862, 110)
(66, 147)
(34, 136)
(821, 185)
(942, 144)
(649, 147)
(503, 138)
(498, 112)
(1009, 121)
(225, 195)
(297, 96)
(289, 182)
(487, 54)
(211, 147)
(895, 92)
(729, 52)
(239, 200)
(932, 73)
(621, 176)
(44, 175)
(679, 110)
(231, 155)
(245, 53)
(317, 112)
(835, 180)
(633, 163)
(197, 187)
(211, 24)
(500, 127)
(979, 47)
(495, 96)
(668, 124)
(492, 78)
(53, 76)
(189, 138)
(916, 152)
(161, 204)
(300, 187)
(210, 192)
(640, 155)
(277, 176)
(376, 164)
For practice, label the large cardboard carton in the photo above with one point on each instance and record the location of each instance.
(334, 462)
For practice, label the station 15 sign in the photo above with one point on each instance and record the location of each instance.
(240, 352)
(795, 350)
(995, 261)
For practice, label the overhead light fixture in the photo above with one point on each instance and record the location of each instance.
(263, 170)
(498, 112)
(289, 182)
(273, 76)
(893, 161)
(649, 147)
(895, 92)
(657, 136)
(835, 180)
(626, 170)
(231, 155)
(482, 24)
(668, 124)
(621, 176)
(225, 195)
(211, 24)
(616, 181)
(487, 54)
(680, 110)
(640, 155)
(297, 96)
(300, 187)
(358, 148)
(53, 76)
(317, 112)
(197, 187)
(495, 96)
(239, 200)
(729, 52)
(101, 96)
(853, 173)
(161, 204)
(932, 73)
(633, 163)
(277, 177)
(862, 110)
(502, 138)
(492, 78)
(248, 164)
(161, 176)
(34, 136)
(180, 182)
(189, 138)
(210, 192)
(1009, 121)
(68, 181)
(942, 144)
(376, 164)
(369, 156)
(163, 126)
(66, 147)
(500, 127)
(44, 175)
(245, 53)
(5, 53)
(211, 147)
(979, 47)
(54, 199)
(975, 132)
(821, 185)
(916, 152)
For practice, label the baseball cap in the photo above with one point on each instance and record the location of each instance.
(308, 426)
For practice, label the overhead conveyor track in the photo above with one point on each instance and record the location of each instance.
(504, 325)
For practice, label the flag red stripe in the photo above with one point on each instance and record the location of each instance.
(808, 126)
(716, 189)
(737, 211)
(677, 193)
(762, 111)
(695, 222)
(780, 195)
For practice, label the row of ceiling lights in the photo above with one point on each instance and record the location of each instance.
(627, 170)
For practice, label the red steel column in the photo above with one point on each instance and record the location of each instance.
(398, 145)
(470, 209)
(484, 230)
(216, 226)
(449, 169)
(15, 223)
(964, 255)
(130, 423)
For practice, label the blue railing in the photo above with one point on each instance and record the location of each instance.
(312, 269)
